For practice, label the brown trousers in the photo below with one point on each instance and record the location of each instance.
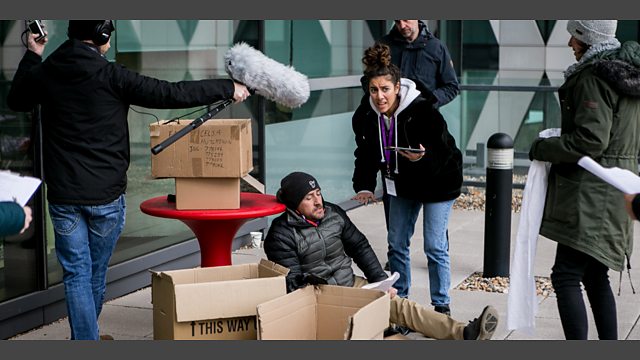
(410, 314)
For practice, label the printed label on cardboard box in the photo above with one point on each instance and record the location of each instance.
(231, 328)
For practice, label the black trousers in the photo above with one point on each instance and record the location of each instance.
(571, 268)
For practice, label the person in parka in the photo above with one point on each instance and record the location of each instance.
(600, 118)
(429, 177)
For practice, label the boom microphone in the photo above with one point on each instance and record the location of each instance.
(192, 126)
(267, 77)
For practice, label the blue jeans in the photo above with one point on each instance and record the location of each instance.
(86, 236)
(403, 214)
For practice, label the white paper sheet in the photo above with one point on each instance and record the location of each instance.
(14, 187)
(622, 179)
(522, 303)
(385, 284)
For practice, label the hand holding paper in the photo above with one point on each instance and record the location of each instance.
(17, 188)
(622, 179)
(385, 284)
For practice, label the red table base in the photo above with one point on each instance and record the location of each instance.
(215, 238)
(215, 229)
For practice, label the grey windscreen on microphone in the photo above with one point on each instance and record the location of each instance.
(267, 77)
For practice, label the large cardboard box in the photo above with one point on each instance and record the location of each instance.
(207, 193)
(214, 303)
(325, 312)
(217, 148)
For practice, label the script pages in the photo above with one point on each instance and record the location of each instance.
(385, 284)
(14, 187)
(622, 179)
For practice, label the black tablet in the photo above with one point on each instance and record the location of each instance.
(397, 148)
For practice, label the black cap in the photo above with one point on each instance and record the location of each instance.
(294, 187)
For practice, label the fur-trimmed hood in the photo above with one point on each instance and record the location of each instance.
(621, 69)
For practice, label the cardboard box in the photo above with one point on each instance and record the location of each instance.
(214, 303)
(207, 193)
(217, 148)
(325, 312)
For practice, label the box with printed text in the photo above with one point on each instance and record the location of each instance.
(213, 303)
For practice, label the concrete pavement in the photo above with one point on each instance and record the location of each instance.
(130, 317)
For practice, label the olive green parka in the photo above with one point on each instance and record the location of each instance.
(600, 109)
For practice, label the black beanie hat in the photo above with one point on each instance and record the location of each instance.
(84, 29)
(294, 187)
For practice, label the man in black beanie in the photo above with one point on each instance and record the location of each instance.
(85, 100)
(317, 241)
(294, 187)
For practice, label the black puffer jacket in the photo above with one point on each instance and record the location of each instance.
(434, 178)
(324, 251)
(85, 101)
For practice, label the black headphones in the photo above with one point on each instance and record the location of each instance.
(102, 32)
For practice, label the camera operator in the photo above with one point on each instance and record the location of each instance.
(84, 102)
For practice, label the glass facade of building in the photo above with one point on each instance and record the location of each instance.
(508, 70)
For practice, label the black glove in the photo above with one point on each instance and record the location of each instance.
(314, 280)
(533, 146)
(310, 279)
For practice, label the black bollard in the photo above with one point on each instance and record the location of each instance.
(497, 219)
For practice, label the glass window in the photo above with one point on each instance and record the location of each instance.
(628, 30)
(506, 70)
(321, 145)
(320, 48)
(19, 261)
(172, 50)
(317, 138)
(479, 52)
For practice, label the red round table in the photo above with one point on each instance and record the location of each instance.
(215, 229)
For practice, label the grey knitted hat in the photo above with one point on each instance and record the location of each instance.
(592, 32)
